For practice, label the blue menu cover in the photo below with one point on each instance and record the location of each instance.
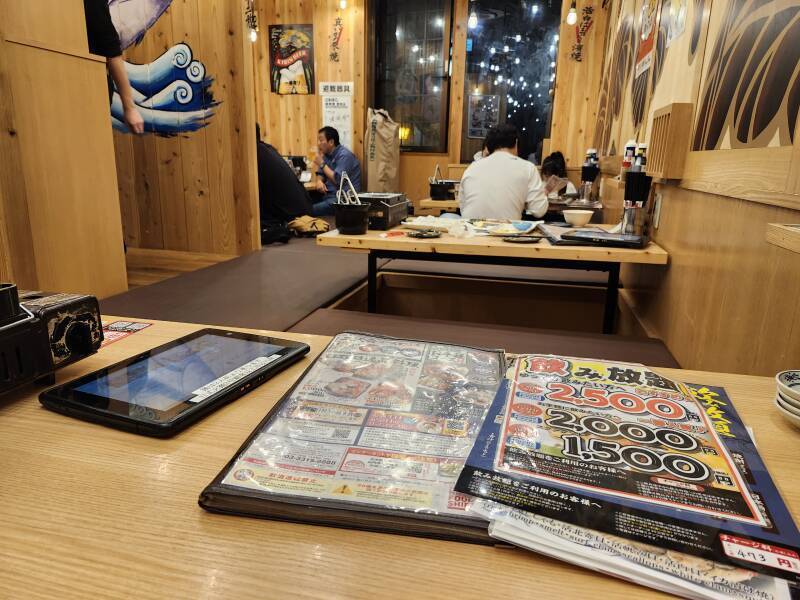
(620, 449)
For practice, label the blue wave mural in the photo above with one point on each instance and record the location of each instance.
(173, 93)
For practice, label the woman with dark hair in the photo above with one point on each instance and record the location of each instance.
(556, 165)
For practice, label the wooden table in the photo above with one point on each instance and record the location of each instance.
(91, 512)
(493, 250)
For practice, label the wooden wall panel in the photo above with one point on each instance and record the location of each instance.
(57, 24)
(71, 190)
(577, 86)
(17, 259)
(290, 123)
(728, 301)
(198, 191)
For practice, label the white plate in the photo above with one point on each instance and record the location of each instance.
(789, 416)
(789, 383)
(788, 400)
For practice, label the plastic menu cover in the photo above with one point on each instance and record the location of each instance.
(623, 450)
(666, 570)
(376, 425)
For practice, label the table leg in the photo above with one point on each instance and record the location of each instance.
(612, 293)
(372, 282)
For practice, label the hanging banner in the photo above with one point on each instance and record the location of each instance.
(291, 59)
(337, 109)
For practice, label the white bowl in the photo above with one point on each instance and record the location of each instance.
(578, 218)
(789, 383)
(788, 400)
(787, 407)
(789, 416)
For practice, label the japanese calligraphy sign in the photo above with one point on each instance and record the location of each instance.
(622, 429)
(621, 449)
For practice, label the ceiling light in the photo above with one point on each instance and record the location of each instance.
(342, 4)
(436, 88)
(518, 38)
(555, 38)
(535, 9)
(572, 15)
(432, 57)
(492, 50)
(415, 48)
(473, 20)
(483, 64)
(516, 61)
(439, 22)
(506, 48)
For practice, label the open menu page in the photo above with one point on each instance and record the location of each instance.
(375, 421)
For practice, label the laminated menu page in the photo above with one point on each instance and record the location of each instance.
(620, 449)
(373, 436)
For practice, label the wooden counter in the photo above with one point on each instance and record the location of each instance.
(90, 512)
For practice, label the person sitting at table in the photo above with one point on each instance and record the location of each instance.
(281, 196)
(502, 185)
(333, 160)
(556, 165)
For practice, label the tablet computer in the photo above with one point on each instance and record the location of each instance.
(164, 390)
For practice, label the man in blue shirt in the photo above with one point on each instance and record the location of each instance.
(333, 160)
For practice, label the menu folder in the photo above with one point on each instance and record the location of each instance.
(372, 436)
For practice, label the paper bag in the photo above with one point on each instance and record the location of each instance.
(383, 152)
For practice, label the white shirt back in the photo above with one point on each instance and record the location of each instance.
(502, 186)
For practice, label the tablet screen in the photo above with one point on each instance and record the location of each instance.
(189, 372)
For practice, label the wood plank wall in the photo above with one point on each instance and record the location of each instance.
(196, 192)
(728, 299)
(290, 123)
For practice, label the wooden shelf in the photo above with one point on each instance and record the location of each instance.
(784, 235)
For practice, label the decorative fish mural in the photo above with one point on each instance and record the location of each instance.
(173, 93)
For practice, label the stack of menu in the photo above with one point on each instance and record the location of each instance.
(613, 467)
(372, 436)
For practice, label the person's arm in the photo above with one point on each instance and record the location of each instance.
(536, 201)
(133, 119)
(329, 174)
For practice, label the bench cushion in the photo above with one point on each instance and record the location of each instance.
(648, 351)
(269, 289)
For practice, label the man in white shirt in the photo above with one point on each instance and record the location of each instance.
(502, 185)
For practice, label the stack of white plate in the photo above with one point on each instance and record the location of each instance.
(788, 398)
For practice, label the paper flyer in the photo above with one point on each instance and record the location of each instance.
(619, 449)
(377, 421)
(666, 570)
